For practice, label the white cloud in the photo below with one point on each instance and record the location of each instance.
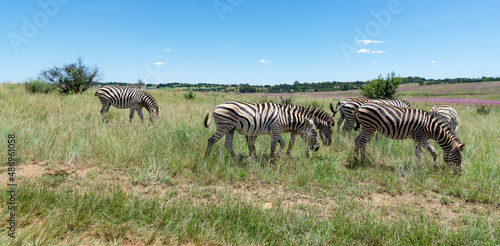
(433, 61)
(264, 61)
(375, 61)
(367, 41)
(167, 50)
(158, 63)
(363, 50)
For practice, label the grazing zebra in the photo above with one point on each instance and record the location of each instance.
(132, 98)
(321, 119)
(347, 107)
(400, 123)
(253, 119)
(447, 115)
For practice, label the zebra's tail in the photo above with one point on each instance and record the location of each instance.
(356, 127)
(337, 108)
(208, 120)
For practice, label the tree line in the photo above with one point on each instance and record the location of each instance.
(296, 86)
(76, 77)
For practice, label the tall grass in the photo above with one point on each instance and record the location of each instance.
(84, 182)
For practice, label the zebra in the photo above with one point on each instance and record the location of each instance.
(132, 98)
(253, 119)
(321, 119)
(347, 107)
(401, 123)
(447, 115)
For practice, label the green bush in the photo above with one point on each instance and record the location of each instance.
(287, 99)
(382, 88)
(484, 110)
(189, 94)
(72, 78)
(38, 86)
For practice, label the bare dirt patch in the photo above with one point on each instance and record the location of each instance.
(446, 209)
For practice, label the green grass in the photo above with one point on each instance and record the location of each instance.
(83, 182)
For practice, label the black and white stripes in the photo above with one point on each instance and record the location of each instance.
(400, 123)
(132, 98)
(347, 106)
(254, 119)
(447, 115)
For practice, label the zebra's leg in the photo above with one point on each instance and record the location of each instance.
(139, 112)
(213, 139)
(251, 144)
(361, 141)
(422, 141)
(104, 112)
(293, 136)
(229, 142)
(275, 136)
(282, 144)
(431, 150)
(418, 151)
(132, 111)
(347, 125)
(339, 122)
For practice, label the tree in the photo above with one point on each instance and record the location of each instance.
(140, 83)
(382, 88)
(71, 78)
(247, 89)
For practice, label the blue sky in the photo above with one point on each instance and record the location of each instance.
(256, 42)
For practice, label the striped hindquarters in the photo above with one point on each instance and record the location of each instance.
(447, 115)
(347, 107)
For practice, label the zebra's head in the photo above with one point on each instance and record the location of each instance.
(310, 135)
(453, 157)
(324, 123)
(325, 132)
(154, 112)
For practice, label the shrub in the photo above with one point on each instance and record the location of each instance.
(73, 77)
(317, 104)
(287, 99)
(38, 86)
(189, 94)
(382, 88)
(484, 110)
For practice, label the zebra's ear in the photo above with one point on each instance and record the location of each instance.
(311, 124)
(461, 147)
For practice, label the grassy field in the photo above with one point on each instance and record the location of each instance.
(80, 182)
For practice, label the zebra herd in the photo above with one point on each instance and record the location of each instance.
(394, 119)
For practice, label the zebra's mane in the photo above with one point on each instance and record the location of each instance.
(309, 112)
(443, 127)
(150, 97)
